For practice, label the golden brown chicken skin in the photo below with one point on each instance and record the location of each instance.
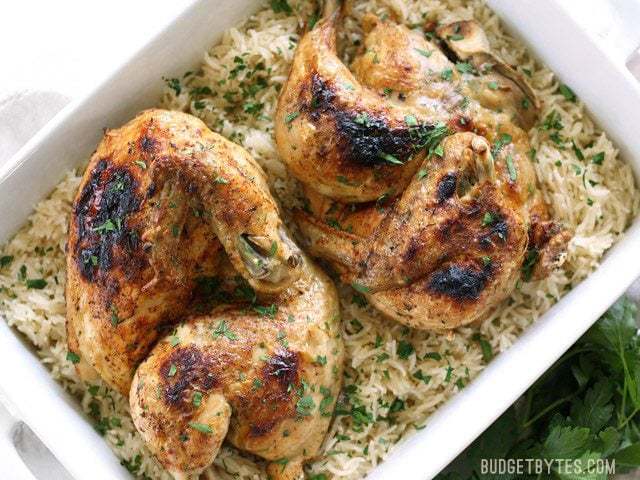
(266, 378)
(159, 200)
(415, 165)
(168, 217)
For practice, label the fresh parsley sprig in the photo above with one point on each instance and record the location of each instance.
(585, 407)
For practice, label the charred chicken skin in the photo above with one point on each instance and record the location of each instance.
(416, 170)
(167, 210)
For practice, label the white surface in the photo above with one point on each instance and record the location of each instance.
(67, 46)
(73, 135)
(53, 52)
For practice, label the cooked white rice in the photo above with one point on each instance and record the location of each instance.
(597, 201)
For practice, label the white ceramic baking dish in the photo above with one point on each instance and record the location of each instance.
(576, 54)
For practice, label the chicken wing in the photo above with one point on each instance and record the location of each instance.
(160, 198)
(165, 208)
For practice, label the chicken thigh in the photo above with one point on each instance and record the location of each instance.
(419, 184)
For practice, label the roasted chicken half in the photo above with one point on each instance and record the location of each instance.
(165, 210)
(416, 168)
(265, 377)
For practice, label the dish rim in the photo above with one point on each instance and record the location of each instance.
(511, 369)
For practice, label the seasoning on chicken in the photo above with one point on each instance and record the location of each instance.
(166, 208)
(416, 168)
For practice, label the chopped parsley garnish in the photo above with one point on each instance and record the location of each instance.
(197, 399)
(502, 140)
(433, 356)
(513, 174)
(326, 402)
(73, 357)
(410, 120)
(174, 84)
(274, 249)
(115, 320)
(493, 85)
(107, 226)
(281, 6)
(552, 121)
(321, 360)
(485, 346)
(201, 427)
(567, 93)
(284, 461)
(530, 260)
(220, 181)
(197, 91)
(405, 349)
(424, 53)
(464, 67)
(359, 300)
(446, 74)
(439, 150)
(174, 340)
(223, 330)
(382, 357)
(390, 158)
(291, 117)
(269, 311)
(422, 377)
(6, 260)
(253, 107)
(358, 287)
(22, 273)
(578, 153)
(430, 139)
(141, 164)
(488, 219)
(172, 370)
(305, 406)
(598, 158)
(36, 283)
(447, 376)
(333, 223)
(313, 20)
(422, 173)
(456, 37)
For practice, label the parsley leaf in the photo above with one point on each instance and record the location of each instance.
(567, 93)
(281, 6)
(405, 349)
(201, 427)
(222, 330)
